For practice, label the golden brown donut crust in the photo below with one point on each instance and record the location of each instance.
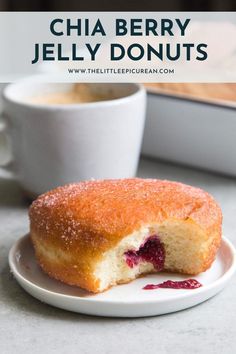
(89, 218)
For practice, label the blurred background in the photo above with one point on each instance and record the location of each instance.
(122, 5)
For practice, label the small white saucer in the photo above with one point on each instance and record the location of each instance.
(128, 300)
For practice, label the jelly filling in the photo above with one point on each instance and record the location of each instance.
(152, 251)
(170, 284)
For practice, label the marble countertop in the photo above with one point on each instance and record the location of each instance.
(29, 326)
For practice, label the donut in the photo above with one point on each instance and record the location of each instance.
(97, 234)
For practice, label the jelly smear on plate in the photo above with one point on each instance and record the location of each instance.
(171, 284)
(151, 251)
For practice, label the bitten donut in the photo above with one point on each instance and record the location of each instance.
(97, 234)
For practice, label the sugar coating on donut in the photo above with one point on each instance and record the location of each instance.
(85, 234)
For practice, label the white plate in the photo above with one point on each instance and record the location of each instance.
(128, 300)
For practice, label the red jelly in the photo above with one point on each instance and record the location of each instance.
(151, 251)
(170, 284)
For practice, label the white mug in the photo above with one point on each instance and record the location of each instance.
(55, 144)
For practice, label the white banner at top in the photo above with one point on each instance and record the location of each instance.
(118, 46)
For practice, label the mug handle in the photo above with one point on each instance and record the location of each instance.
(5, 146)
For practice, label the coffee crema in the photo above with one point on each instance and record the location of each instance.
(79, 93)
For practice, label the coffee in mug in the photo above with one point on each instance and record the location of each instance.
(54, 143)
